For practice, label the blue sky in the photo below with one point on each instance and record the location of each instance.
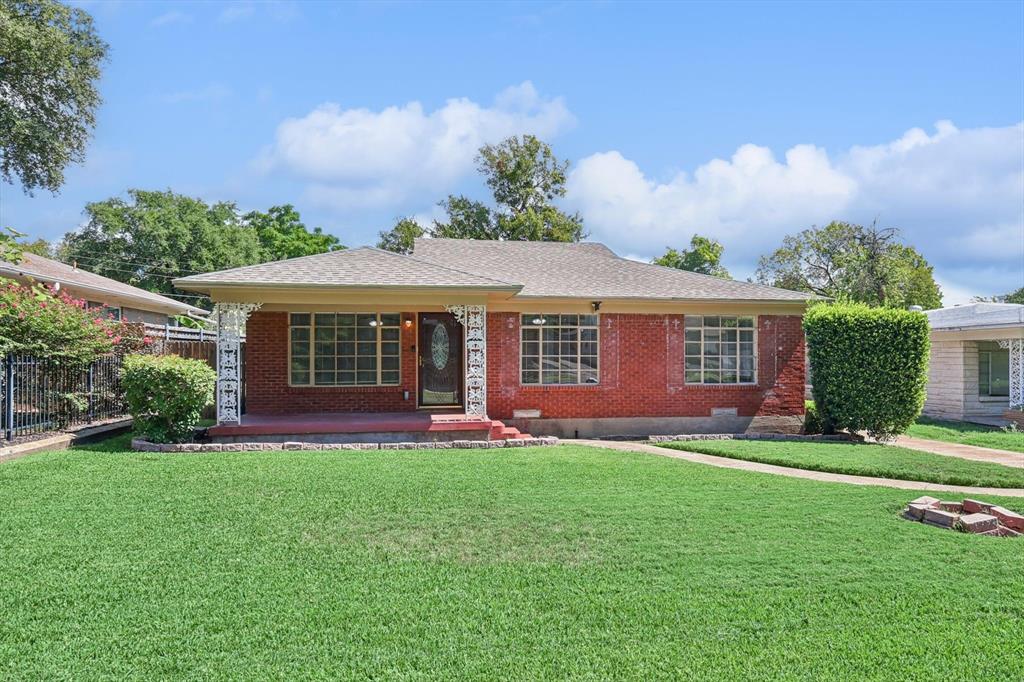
(741, 121)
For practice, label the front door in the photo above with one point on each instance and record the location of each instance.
(440, 360)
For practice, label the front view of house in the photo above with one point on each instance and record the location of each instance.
(497, 338)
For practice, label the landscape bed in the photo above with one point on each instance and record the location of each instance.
(530, 563)
(862, 459)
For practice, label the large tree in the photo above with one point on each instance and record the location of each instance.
(282, 234)
(852, 262)
(1015, 297)
(703, 256)
(401, 237)
(525, 178)
(153, 237)
(50, 57)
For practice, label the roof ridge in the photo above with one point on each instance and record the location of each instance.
(443, 267)
(715, 277)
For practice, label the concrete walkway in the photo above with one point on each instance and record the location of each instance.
(971, 452)
(743, 465)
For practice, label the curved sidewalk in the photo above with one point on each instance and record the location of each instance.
(972, 452)
(743, 465)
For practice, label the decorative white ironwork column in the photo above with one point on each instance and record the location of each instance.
(1016, 348)
(231, 319)
(473, 319)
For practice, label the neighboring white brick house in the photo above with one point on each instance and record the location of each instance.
(975, 369)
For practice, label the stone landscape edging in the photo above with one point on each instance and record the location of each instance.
(814, 438)
(142, 445)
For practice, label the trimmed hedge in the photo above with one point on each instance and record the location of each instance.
(166, 395)
(869, 366)
(812, 419)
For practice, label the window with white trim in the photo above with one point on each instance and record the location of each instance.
(558, 349)
(993, 370)
(720, 349)
(344, 349)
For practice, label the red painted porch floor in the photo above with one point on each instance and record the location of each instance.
(380, 422)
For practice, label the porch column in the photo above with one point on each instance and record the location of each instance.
(231, 319)
(1016, 348)
(473, 319)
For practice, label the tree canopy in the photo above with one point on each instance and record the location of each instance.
(1015, 297)
(50, 58)
(703, 256)
(401, 237)
(282, 234)
(155, 236)
(855, 263)
(525, 178)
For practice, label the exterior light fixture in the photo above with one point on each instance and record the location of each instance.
(595, 305)
(408, 322)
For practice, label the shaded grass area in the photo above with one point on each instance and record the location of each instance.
(863, 459)
(968, 434)
(538, 563)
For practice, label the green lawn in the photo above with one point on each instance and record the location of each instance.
(533, 563)
(862, 459)
(968, 434)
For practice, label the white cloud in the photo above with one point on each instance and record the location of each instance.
(359, 157)
(957, 195)
(172, 17)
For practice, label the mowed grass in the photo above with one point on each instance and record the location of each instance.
(542, 563)
(862, 459)
(968, 434)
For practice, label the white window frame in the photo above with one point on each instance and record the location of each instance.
(579, 345)
(703, 369)
(312, 350)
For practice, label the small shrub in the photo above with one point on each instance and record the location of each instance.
(166, 395)
(812, 419)
(869, 366)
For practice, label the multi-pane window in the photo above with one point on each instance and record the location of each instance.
(993, 370)
(720, 349)
(345, 349)
(559, 349)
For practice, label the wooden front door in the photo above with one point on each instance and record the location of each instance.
(440, 360)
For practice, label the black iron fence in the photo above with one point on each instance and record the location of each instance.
(39, 396)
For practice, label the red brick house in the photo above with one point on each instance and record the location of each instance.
(463, 335)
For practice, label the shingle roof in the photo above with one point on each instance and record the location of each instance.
(48, 271)
(977, 316)
(360, 267)
(587, 270)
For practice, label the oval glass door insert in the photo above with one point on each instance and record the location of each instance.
(439, 346)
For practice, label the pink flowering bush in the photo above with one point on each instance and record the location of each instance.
(52, 325)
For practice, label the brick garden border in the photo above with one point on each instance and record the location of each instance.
(141, 445)
(816, 438)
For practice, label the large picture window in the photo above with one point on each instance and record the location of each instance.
(993, 370)
(559, 349)
(720, 349)
(344, 349)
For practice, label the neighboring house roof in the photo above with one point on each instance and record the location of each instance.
(364, 266)
(588, 270)
(527, 269)
(977, 316)
(95, 287)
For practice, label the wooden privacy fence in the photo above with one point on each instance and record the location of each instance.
(38, 396)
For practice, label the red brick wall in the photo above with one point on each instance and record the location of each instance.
(641, 373)
(266, 376)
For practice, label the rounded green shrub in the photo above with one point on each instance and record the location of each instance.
(869, 366)
(166, 395)
(812, 419)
